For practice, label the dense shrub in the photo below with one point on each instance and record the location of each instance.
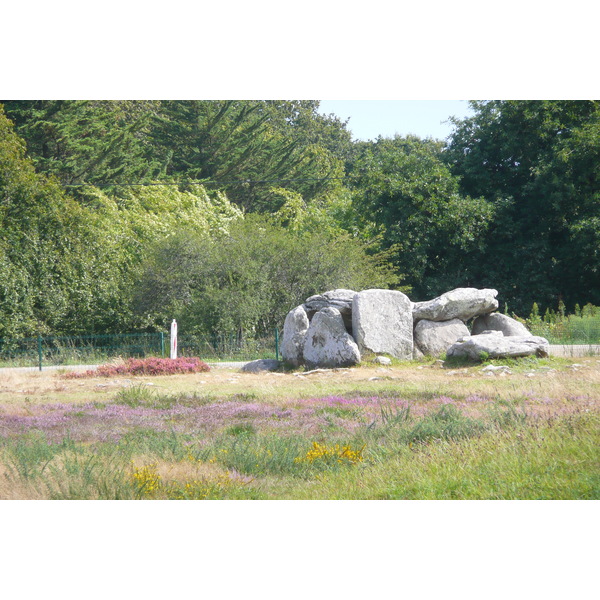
(247, 281)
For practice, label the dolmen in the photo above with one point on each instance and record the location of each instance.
(337, 328)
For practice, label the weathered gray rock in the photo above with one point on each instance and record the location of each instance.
(262, 364)
(383, 360)
(499, 346)
(498, 322)
(417, 354)
(294, 335)
(340, 299)
(328, 344)
(382, 322)
(461, 303)
(433, 338)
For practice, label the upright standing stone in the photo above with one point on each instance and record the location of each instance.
(382, 322)
(294, 335)
(328, 344)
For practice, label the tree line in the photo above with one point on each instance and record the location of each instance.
(121, 215)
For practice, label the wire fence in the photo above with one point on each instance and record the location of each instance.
(228, 347)
(43, 351)
(573, 331)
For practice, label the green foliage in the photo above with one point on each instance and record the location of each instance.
(582, 327)
(507, 416)
(511, 202)
(446, 423)
(136, 395)
(29, 455)
(334, 214)
(243, 144)
(241, 429)
(247, 281)
(549, 461)
(41, 255)
(87, 140)
(258, 455)
(67, 266)
(404, 191)
(537, 163)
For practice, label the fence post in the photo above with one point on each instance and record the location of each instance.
(162, 344)
(276, 343)
(39, 345)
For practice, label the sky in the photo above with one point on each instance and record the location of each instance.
(371, 118)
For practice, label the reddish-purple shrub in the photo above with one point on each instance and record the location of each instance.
(146, 366)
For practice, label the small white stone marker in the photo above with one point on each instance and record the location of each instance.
(174, 339)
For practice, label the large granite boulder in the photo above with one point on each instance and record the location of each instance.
(294, 335)
(498, 322)
(328, 344)
(382, 322)
(461, 303)
(433, 338)
(496, 345)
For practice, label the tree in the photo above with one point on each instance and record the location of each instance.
(241, 147)
(66, 266)
(246, 147)
(38, 256)
(85, 141)
(406, 193)
(537, 163)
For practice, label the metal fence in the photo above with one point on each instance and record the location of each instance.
(228, 347)
(43, 351)
(573, 331)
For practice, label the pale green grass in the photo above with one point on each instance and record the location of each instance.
(484, 450)
(560, 461)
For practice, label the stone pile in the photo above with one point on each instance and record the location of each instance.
(336, 328)
(441, 322)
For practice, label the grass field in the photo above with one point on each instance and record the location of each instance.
(409, 431)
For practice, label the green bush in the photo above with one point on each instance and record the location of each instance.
(247, 281)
